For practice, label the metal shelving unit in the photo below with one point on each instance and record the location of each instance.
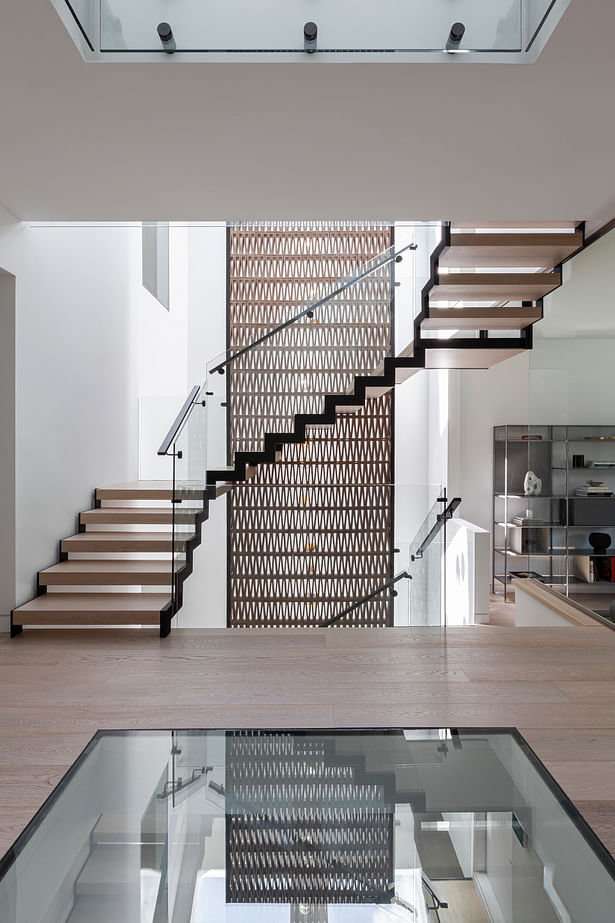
(546, 535)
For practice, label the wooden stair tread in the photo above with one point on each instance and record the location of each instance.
(494, 286)
(105, 565)
(110, 868)
(124, 541)
(470, 318)
(92, 609)
(135, 514)
(519, 250)
(96, 602)
(109, 573)
(146, 490)
(505, 225)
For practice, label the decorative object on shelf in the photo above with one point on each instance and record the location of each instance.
(527, 575)
(532, 484)
(554, 540)
(528, 536)
(599, 541)
(593, 489)
(532, 438)
(604, 568)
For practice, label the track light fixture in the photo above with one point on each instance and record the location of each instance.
(310, 37)
(454, 36)
(165, 34)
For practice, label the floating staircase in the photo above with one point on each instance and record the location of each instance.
(121, 566)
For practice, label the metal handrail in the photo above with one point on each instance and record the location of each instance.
(441, 518)
(179, 421)
(360, 602)
(311, 307)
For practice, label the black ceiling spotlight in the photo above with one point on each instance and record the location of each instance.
(165, 34)
(454, 36)
(310, 37)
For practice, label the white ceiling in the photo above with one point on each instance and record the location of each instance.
(229, 141)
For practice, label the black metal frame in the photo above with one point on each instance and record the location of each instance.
(178, 577)
(79, 26)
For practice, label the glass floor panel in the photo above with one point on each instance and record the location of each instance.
(369, 826)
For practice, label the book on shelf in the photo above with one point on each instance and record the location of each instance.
(602, 464)
(594, 568)
(604, 568)
(524, 521)
(587, 491)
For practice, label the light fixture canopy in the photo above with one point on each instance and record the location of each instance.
(455, 36)
(165, 34)
(310, 37)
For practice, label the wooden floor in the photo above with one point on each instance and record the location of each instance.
(556, 685)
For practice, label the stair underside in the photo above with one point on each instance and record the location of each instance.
(468, 318)
(519, 250)
(451, 358)
(93, 609)
(494, 286)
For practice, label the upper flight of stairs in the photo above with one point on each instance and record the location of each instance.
(488, 281)
(117, 569)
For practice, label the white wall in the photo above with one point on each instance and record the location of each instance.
(161, 359)
(468, 572)
(7, 444)
(206, 297)
(205, 590)
(530, 613)
(486, 398)
(76, 382)
(571, 363)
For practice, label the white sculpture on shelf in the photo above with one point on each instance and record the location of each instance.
(532, 485)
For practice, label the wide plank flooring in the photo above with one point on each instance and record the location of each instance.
(556, 685)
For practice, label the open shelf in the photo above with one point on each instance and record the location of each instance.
(566, 519)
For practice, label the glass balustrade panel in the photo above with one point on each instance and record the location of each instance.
(368, 826)
(130, 25)
(427, 563)
(189, 501)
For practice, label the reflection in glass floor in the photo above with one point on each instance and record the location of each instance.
(307, 827)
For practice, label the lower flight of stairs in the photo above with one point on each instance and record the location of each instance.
(110, 884)
(119, 569)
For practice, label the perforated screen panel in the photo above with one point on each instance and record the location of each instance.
(311, 533)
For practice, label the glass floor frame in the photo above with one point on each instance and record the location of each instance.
(308, 826)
